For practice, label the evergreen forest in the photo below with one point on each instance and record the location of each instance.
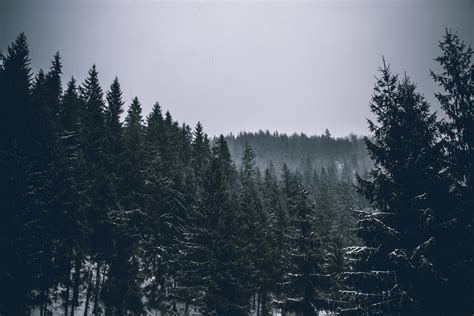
(106, 210)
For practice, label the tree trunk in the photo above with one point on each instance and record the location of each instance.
(264, 304)
(253, 300)
(66, 296)
(76, 279)
(95, 311)
(258, 304)
(186, 309)
(88, 293)
(44, 305)
(67, 291)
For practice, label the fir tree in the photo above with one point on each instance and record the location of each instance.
(93, 138)
(43, 206)
(165, 209)
(278, 219)
(201, 153)
(114, 142)
(395, 269)
(455, 227)
(303, 270)
(122, 292)
(15, 85)
(253, 222)
(133, 139)
(225, 294)
(73, 194)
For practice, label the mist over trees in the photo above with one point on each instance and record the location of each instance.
(108, 216)
(304, 153)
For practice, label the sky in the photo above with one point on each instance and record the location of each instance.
(287, 66)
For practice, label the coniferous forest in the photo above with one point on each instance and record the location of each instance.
(108, 211)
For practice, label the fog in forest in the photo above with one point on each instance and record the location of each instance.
(228, 158)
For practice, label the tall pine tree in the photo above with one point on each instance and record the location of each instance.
(394, 273)
(455, 226)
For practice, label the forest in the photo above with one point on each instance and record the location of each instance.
(302, 152)
(108, 211)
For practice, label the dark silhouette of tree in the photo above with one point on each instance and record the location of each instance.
(117, 218)
(455, 227)
(395, 269)
(93, 138)
(303, 274)
(73, 197)
(15, 85)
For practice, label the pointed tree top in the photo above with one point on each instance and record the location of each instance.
(56, 65)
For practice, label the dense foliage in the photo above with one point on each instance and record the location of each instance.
(106, 216)
(113, 217)
(418, 256)
(302, 152)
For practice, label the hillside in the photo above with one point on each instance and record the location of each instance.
(303, 153)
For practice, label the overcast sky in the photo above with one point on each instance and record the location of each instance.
(291, 66)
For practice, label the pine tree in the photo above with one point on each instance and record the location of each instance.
(303, 270)
(122, 292)
(114, 144)
(196, 232)
(165, 209)
(393, 273)
(253, 221)
(225, 294)
(455, 225)
(155, 252)
(326, 201)
(275, 207)
(93, 138)
(72, 195)
(213, 248)
(15, 85)
(133, 138)
(43, 206)
(201, 155)
(276, 225)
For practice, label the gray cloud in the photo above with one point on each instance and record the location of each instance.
(287, 66)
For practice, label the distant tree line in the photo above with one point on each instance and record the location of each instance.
(304, 153)
(119, 217)
(112, 217)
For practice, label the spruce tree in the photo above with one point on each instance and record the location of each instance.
(275, 207)
(72, 195)
(253, 221)
(155, 251)
(114, 142)
(122, 292)
(15, 85)
(455, 225)
(225, 294)
(43, 206)
(201, 153)
(395, 273)
(93, 138)
(196, 232)
(303, 275)
(133, 139)
(165, 209)
(216, 268)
